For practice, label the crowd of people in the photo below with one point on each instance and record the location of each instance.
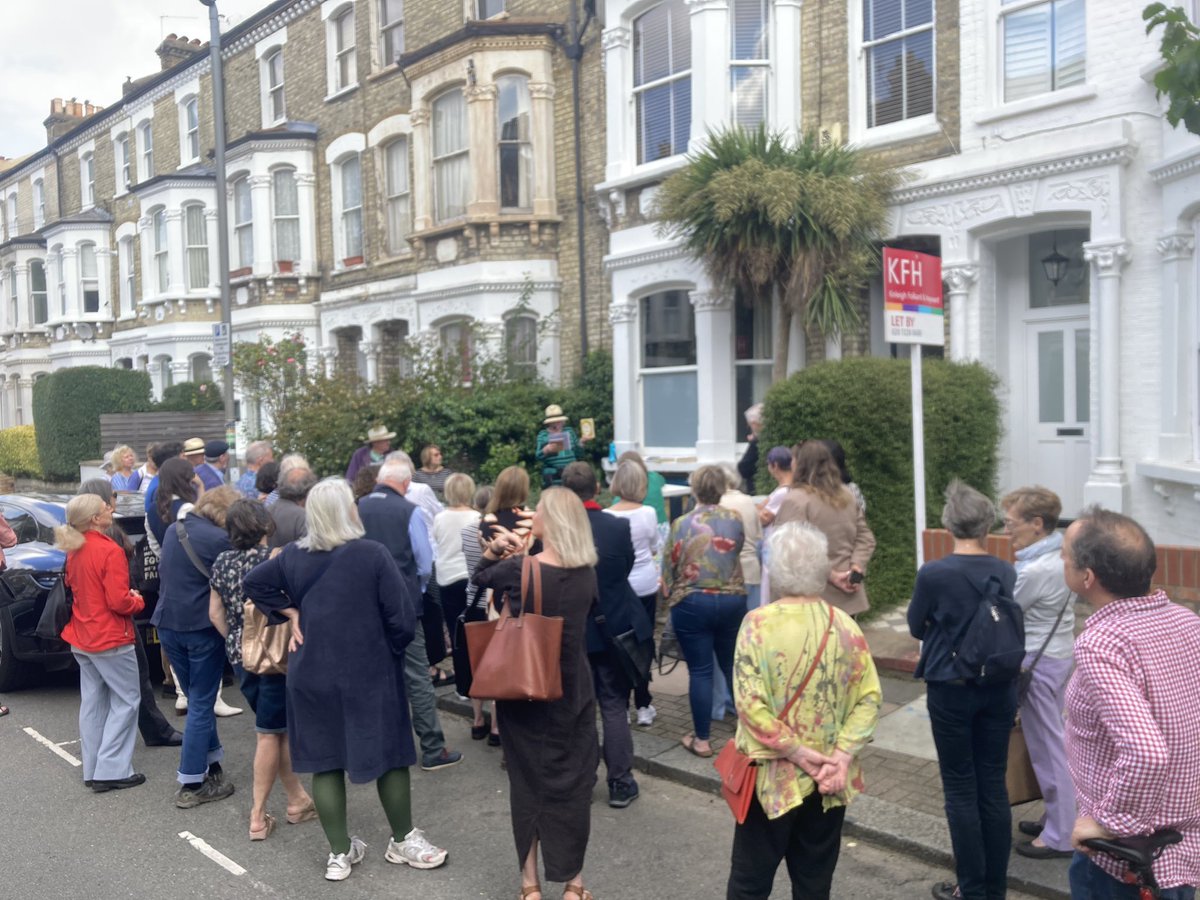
(372, 579)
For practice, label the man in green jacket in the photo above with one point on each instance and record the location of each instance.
(557, 446)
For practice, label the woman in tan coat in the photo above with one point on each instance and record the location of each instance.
(818, 496)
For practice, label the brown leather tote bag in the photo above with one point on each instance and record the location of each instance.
(518, 657)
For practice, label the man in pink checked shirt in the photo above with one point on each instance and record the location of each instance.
(1133, 710)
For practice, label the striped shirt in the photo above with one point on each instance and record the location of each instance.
(1133, 728)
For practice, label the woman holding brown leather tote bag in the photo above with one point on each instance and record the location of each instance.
(551, 747)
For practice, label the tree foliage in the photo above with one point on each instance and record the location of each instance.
(18, 452)
(1179, 78)
(192, 396)
(269, 372)
(768, 216)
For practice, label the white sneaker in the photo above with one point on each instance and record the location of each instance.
(339, 864)
(646, 714)
(416, 851)
(223, 709)
(180, 702)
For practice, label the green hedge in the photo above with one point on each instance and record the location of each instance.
(18, 452)
(191, 396)
(481, 428)
(866, 405)
(67, 406)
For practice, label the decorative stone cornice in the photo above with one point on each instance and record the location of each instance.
(1122, 155)
(475, 288)
(1176, 168)
(710, 301)
(644, 258)
(267, 27)
(1106, 257)
(419, 117)
(618, 38)
(1178, 245)
(478, 92)
(960, 277)
(621, 313)
(541, 90)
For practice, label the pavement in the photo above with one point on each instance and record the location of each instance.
(902, 807)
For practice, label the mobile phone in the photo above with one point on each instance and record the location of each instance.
(856, 576)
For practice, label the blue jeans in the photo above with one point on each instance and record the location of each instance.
(971, 724)
(1090, 882)
(706, 624)
(198, 658)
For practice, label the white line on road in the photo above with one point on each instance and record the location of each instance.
(215, 855)
(53, 747)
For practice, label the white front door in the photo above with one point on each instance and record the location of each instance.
(1057, 393)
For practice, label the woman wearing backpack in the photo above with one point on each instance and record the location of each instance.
(970, 717)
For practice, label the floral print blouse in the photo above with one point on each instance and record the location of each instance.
(837, 711)
(228, 570)
(703, 554)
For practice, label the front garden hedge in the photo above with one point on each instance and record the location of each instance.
(18, 452)
(67, 406)
(866, 405)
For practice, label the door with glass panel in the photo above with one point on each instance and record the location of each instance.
(1057, 398)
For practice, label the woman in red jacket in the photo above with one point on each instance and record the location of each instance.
(100, 633)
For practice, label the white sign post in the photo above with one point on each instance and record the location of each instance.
(222, 345)
(912, 311)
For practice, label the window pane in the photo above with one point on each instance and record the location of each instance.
(752, 384)
(752, 330)
(87, 261)
(397, 167)
(449, 124)
(668, 330)
(748, 27)
(1070, 43)
(917, 12)
(451, 185)
(652, 45)
(287, 216)
(749, 95)
(352, 224)
(918, 75)
(513, 108)
(345, 30)
(351, 183)
(520, 343)
(1073, 287)
(489, 8)
(670, 410)
(1027, 52)
(1050, 376)
(287, 203)
(1083, 376)
(885, 17)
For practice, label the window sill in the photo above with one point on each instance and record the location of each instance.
(464, 222)
(342, 92)
(186, 164)
(1176, 473)
(1035, 104)
(897, 132)
(385, 73)
(343, 270)
(646, 173)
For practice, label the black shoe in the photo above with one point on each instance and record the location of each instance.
(175, 739)
(1033, 829)
(479, 732)
(117, 784)
(1031, 850)
(946, 890)
(87, 784)
(493, 739)
(620, 795)
(208, 791)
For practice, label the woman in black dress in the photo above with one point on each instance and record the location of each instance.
(552, 748)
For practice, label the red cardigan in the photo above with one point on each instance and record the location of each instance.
(102, 614)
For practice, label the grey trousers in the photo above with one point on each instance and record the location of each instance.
(108, 712)
(612, 695)
(422, 701)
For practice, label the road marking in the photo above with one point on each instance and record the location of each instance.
(68, 743)
(53, 747)
(215, 855)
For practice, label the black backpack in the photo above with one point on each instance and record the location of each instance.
(993, 646)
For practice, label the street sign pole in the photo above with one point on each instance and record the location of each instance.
(912, 300)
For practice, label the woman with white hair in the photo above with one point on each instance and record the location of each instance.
(806, 750)
(552, 747)
(346, 601)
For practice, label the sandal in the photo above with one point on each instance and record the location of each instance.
(3, 710)
(307, 814)
(479, 732)
(689, 744)
(530, 889)
(579, 891)
(442, 678)
(263, 833)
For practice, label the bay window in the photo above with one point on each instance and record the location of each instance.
(397, 193)
(670, 405)
(749, 65)
(515, 134)
(662, 79)
(195, 240)
(89, 278)
(451, 156)
(286, 210)
(243, 223)
(37, 291)
(160, 249)
(351, 213)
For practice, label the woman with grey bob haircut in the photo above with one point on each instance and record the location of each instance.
(330, 516)
(799, 560)
(967, 514)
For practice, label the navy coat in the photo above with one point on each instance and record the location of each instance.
(620, 605)
(347, 708)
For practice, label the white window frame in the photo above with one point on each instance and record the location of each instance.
(33, 295)
(397, 198)
(680, 8)
(145, 142)
(466, 345)
(274, 98)
(762, 64)
(14, 222)
(39, 203)
(441, 215)
(88, 283)
(644, 371)
(123, 163)
(126, 274)
(386, 27)
(160, 249)
(284, 219)
(55, 256)
(521, 368)
(482, 12)
(911, 128)
(334, 13)
(344, 214)
(527, 143)
(1004, 10)
(193, 250)
(87, 180)
(189, 130)
(243, 228)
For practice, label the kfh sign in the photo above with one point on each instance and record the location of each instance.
(912, 298)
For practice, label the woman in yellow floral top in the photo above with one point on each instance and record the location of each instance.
(807, 764)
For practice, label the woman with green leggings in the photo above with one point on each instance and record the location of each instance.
(351, 616)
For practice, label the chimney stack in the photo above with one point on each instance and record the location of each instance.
(65, 115)
(176, 49)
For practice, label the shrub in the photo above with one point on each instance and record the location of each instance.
(67, 406)
(191, 396)
(18, 452)
(866, 405)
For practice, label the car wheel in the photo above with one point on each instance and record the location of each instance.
(13, 672)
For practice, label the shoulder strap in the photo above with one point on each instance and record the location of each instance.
(531, 574)
(811, 669)
(185, 542)
(1046, 643)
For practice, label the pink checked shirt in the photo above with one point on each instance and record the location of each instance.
(1133, 728)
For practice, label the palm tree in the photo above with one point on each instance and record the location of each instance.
(771, 218)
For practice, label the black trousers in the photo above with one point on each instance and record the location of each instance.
(151, 722)
(807, 837)
(612, 696)
(454, 605)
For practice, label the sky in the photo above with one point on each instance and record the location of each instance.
(85, 49)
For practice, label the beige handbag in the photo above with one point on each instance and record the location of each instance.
(264, 646)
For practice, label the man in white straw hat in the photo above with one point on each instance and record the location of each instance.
(379, 442)
(557, 445)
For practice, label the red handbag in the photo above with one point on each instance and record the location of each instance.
(737, 770)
